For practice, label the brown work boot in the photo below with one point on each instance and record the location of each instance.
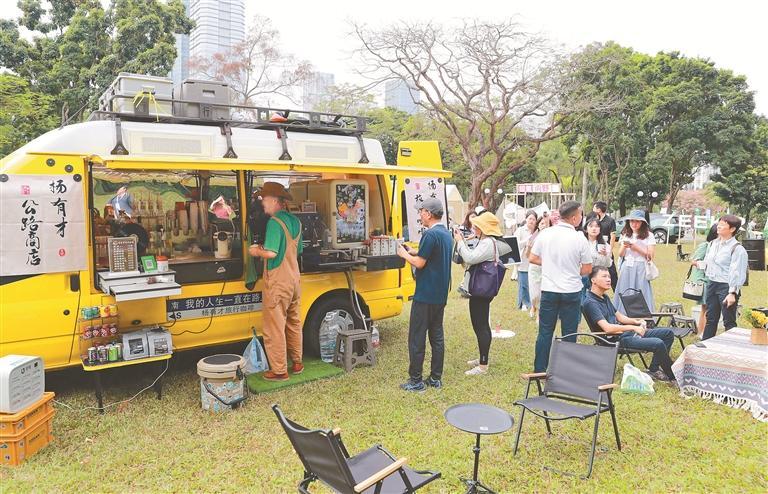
(297, 368)
(271, 376)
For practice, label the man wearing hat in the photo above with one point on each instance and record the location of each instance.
(281, 295)
(433, 277)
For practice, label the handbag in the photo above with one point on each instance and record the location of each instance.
(485, 278)
(692, 290)
(651, 271)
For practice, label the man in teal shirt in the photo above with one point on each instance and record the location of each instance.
(281, 320)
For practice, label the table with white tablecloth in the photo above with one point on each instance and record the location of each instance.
(729, 370)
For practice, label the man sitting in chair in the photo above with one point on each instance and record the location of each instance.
(632, 333)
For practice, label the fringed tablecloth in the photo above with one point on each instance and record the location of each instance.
(729, 370)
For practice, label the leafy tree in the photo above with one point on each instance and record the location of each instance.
(23, 114)
(256, 69)
(78, 48)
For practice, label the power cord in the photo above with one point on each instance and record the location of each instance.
(210, 319)
(167, 365)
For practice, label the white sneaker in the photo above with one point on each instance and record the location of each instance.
(473, 363)
(524, 308)
(476, 371)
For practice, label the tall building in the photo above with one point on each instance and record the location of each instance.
(400, 95)
(220, 25)
(702, 177)
(316, 88)
(180, 69)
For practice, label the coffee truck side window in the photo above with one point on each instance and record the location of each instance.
(190, 218)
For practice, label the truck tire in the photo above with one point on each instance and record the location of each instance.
(660, 235)
(339, 309)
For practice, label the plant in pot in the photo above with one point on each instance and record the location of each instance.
(759, 322)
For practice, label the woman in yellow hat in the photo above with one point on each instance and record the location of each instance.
(487, 229)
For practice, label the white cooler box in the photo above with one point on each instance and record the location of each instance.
(129, 85)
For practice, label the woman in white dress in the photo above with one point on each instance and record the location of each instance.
(534, 270)
(637, 246)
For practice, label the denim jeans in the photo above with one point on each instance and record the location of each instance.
(425, 319)
(657, 340)
(523, 297)
(554, 306)
(716, 293)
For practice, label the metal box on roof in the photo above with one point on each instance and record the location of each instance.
(204, 99)
(120, 96)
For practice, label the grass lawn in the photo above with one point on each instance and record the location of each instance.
(669, 443)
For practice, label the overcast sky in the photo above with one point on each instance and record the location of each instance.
(732, 33)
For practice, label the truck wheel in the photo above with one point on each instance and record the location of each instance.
(660, 236)
(329, 314)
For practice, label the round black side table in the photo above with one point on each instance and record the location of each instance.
(480, 420)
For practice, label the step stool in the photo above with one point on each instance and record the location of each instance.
(353, 348)
(683, 326)
(672, 308)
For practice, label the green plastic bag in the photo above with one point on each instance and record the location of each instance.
(636, 381)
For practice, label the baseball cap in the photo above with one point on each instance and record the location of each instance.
(433, 206)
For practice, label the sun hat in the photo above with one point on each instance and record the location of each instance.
(433, 206)
(636, 214)
(488, 223)
(274, 189)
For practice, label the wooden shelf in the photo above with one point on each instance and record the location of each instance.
(123, 363)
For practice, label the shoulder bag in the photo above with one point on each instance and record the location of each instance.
(485, 278)
(692, 290)
(651, 271)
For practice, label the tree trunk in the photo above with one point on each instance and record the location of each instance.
(584, 186)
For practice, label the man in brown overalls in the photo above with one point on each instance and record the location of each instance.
(281, 296)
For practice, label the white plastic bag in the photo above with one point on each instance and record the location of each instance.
(636, 381)
(255, 358)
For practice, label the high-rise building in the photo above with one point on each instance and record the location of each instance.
(401, 95)
(316, 88)
(220, 25)
(180, 69)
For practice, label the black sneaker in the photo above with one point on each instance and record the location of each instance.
(435, 383)
(659, 375)
(414, 386)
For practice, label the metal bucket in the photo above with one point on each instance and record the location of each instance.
(222, 382)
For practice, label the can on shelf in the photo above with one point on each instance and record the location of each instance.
(104, 331)
(85, 313)
(92, 355)
(93, 312)
(113, 329)
(112, 353)
(103, 311)
(113, 310)
(102, 354)
(88, 333)
(119, 347)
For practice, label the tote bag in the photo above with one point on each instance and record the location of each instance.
(651, 271)
(692, 290)
(485, 278)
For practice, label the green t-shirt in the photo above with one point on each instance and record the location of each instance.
(275, 238)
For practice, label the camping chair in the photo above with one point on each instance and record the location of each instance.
(635, 307)
(578, 385)
(682, 256)
(325, 458)
(623, 352)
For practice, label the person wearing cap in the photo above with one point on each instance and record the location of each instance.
(281, 295)
(432, 261)
(637, 245)
(564, 256)
(490, 247)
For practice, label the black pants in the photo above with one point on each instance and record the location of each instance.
(425, 319)
(479, 313)
(716, 293)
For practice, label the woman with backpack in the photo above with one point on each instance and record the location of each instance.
(725, 266)
(490, 247)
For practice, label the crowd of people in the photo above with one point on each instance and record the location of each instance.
(567, 269)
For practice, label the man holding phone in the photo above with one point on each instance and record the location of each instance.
(432, 261)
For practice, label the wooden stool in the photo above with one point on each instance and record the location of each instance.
(672, 308)
(353, 348)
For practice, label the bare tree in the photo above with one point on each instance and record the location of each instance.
(496, 88)
(256, 68)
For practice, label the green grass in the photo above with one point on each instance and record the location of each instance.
(314, 368)
(670, 443)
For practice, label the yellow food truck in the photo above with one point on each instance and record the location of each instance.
(141, 218)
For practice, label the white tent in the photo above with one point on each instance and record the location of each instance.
(457, 208)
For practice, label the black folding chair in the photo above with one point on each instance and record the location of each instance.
(623, 352)
(578, 385)
(636, 307)
(325, 458)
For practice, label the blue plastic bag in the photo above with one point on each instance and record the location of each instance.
(255, 358)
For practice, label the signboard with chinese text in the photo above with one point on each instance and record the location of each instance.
(417, 190)
(545, 188)
(42, 225)
(221, 305)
